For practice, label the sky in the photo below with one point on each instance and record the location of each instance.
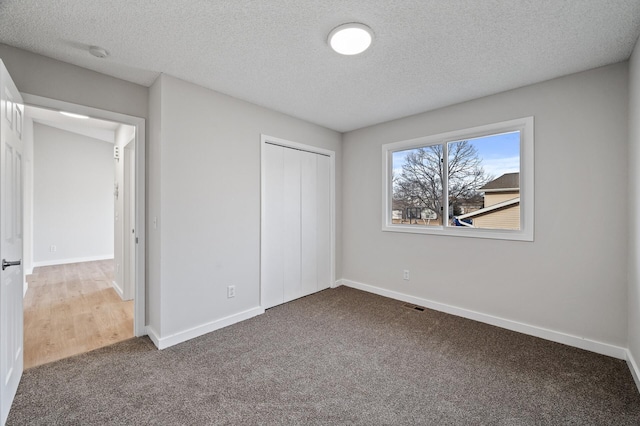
(500, 154)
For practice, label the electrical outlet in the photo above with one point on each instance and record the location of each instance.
(52, 249)
(231, 291)
(405, 275)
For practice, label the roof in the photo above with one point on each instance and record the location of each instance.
(490, 209)
(506, 182)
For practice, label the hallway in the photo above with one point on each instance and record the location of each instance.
(71, 309)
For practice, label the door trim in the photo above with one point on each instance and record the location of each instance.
(139, 326)
(264, 140)
(129, 223)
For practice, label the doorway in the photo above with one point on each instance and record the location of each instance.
(118, 271)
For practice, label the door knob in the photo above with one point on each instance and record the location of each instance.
(6, 264)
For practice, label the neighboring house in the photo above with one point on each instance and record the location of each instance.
(404, 213)
(468, 205)
(501, 204)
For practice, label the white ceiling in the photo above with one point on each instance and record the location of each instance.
(426, 53)
(91, 127)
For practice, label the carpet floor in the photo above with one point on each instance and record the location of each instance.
(340, 356)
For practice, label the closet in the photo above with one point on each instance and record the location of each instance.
(296, 222)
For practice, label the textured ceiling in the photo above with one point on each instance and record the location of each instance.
(426, 53)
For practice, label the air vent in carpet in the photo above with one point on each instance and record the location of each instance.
(414, 307)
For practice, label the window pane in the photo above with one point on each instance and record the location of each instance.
(417, 186)
(484, 182)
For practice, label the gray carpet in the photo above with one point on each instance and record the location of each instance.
(340, 356)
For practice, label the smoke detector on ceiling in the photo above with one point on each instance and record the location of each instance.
(98, 52)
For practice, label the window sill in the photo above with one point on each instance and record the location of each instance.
(495, 234)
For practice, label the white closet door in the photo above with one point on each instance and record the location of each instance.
(296, 224)
(309, 223)
(323, 234)
(272, 275)
(291, 237)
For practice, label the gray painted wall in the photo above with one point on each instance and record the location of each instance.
(573, 277)
(208, 200)
(634, 205)
(154, 241)
(42, 76)
(72, 196)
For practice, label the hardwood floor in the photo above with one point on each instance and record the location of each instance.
(72, 309)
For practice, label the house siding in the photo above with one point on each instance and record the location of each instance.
(491, 198)
(506, 218)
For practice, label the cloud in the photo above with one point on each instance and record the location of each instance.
(499, 166)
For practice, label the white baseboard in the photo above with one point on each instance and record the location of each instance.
(72, 260)
(635, 372)
(532, 330)
(337, 284)
(183, 336)
(118, 290)
(153, 335)
(25, 287)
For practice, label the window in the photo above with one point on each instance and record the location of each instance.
(475, 182)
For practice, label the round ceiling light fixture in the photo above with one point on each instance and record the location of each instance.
(350, 39)
(98, 51)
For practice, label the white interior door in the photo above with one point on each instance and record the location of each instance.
(296, 239)
(11, 236)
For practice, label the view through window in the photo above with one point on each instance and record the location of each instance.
(481, 185)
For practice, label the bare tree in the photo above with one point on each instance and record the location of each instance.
(419, 183)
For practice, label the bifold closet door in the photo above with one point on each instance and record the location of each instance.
(272, 251)
(296, 234)
(315, 223)
(323, 222)
(292, 227)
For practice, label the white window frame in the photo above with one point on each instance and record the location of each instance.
(525, 233)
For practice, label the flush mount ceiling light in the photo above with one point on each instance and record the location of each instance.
(70, 114)
(350, 39)
(98, 51)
